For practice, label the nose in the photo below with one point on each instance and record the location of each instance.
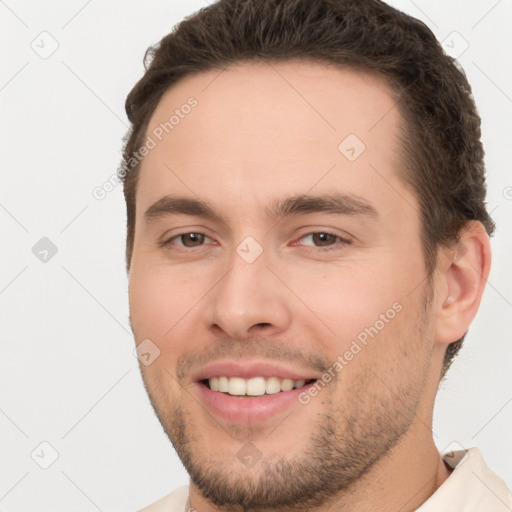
(248, 300)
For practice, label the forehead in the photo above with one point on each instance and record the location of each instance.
(260, 128)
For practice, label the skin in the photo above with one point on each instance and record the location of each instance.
(262, 132)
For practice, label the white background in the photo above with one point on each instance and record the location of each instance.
(68, 374)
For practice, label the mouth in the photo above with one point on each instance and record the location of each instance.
(254, 386)
(250, 392)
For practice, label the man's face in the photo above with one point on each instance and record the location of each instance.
(277, 294)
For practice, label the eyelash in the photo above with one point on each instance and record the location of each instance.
(335, 246)
(341, 241)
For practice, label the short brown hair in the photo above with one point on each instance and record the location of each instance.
(443, 157)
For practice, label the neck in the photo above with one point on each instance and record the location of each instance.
(402, 480)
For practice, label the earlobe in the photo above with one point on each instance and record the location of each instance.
(464, 269)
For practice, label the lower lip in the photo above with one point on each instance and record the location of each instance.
(248, 410)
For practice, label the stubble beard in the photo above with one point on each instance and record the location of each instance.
(346, 441)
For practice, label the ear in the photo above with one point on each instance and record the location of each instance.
(463, 270)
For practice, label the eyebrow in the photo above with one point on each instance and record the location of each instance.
(298, 204)
(302, 204)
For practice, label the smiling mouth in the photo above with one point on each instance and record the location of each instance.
(253, 387)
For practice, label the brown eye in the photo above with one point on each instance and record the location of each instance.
(324, 239)
(187, 240)
(320, 239)
(191, 239)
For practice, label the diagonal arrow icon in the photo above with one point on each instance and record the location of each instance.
(249, 455)
(44, 250)
(146, 352)
(249, 249)
(351, 147)
(44, 455)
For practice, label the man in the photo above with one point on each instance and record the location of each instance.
(307, 246)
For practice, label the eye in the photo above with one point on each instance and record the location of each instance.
(189, 240)
(324, 239)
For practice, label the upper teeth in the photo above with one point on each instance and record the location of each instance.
(256, 386)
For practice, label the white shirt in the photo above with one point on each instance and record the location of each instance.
(471, 487)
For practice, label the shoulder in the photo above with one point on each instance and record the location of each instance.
(471, 487)
(174, 502)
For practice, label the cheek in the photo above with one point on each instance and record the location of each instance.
(148, 299)
(363, 305)
(166, 307)
(157, 304)
(346, 298)
(158, 299)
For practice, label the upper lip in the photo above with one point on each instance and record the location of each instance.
(249, 369)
